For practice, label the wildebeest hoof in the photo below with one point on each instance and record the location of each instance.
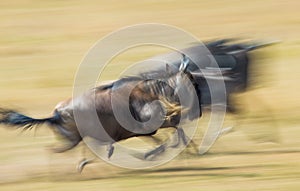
(82, 164)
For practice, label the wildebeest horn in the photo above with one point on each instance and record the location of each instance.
(184, 63)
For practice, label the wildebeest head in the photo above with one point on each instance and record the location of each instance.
(185, 87)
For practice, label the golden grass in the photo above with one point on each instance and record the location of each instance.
(43, 42)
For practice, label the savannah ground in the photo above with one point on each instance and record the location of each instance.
(43, 42)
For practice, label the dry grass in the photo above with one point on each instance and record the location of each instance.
(43, 42)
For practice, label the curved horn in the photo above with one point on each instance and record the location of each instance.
(184, 63)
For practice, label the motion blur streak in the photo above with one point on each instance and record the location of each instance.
(43, 42)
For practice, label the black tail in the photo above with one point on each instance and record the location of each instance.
(13, 118)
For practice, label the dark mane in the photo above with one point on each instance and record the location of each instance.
(156, 74)
(118, 83)
(126, 79)
(105, 86)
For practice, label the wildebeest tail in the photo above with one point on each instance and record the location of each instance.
(14, 118)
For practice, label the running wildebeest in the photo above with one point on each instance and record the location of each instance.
(233, 59)
(144, 91)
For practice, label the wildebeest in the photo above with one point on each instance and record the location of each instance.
(233, 59)
(143, 92)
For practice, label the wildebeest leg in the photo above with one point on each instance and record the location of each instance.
(156, 151)
(83, 163)
(181, 136)
(110, 150)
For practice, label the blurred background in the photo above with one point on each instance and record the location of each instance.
(43, 42)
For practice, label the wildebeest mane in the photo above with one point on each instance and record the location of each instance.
(155, 74)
